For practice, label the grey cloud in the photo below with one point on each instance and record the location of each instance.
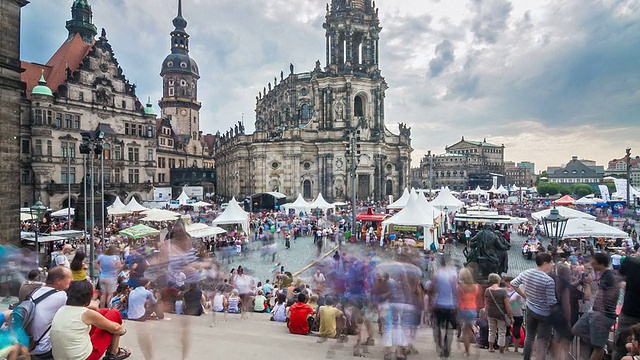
(490, 19)
(444, 57)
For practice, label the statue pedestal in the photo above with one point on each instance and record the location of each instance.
(79, 217)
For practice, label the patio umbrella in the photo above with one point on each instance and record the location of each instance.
(139, 231)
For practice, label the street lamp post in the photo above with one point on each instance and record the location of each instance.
(92, 145)
(37, 212)
(554, 226)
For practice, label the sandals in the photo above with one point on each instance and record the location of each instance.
(120, 355)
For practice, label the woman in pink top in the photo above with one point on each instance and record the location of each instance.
(467, 308)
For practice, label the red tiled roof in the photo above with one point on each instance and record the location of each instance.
(70, 54)
(634, 162)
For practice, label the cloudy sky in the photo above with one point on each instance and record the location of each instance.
(548, 79)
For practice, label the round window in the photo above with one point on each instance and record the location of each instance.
(389, 167)
(274, 165)
(306, 165)
(169, 63)
(183, 65)
(183, 83)
(303, 91)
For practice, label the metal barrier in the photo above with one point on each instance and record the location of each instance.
(574, 349)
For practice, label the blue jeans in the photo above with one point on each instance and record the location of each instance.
(536, 325)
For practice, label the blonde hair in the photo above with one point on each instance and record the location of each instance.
(466, 277)
(494, 279)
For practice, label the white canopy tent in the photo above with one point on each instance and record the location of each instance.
(233, 214)
(477, 192)
(424, 204)
(200, 230)
(117, 204)
(401, 202)
(63, 212)
(502, 191)
(133, 206)
(321, 203)
(564, 211)
(117, 208)
(412, 215)
(585, 201)
(493, 190)
(200, 204)
(299, 205)
(446, 200)
(582, 228)
(159, 215)
(183, 198)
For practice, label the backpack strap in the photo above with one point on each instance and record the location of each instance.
(35, 302)
(42, 297)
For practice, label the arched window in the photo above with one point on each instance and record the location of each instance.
(306, 189)
(389, 187)
(358, 106)
(304, 112)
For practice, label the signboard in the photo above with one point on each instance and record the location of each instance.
(162, 194)
(194, 191)
(411, 229)
(604, 192)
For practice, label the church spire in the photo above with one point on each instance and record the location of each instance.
(179, 36)
(81, 22)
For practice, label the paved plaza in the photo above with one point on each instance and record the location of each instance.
(259, 338)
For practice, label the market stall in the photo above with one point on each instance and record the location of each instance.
(233, 214)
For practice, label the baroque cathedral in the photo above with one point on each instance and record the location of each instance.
(309, 125)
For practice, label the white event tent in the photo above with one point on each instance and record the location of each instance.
(502, 191)
(183, 198)
(200, 230)
(117, 208)
(159, 215)
(401, 202)
(582, 228)
(564, 211)
(478, 192)
(446, 200)
(412, 215)
(233, 214)
(299, 205)
(585, 201)
(63, 212)
(133, 206)
(321, 203)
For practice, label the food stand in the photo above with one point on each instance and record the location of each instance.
(370, 219)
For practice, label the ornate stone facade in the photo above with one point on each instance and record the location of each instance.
(304, 123)
(88, 91)
(10, 90)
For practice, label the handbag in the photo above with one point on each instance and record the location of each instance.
(507, 319)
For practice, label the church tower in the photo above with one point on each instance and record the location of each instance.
(352, 34)
(81, 22)
(180, 76)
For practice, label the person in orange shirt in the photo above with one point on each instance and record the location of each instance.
(467, 308)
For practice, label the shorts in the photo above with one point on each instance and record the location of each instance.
(467, 316)
(596, 325)
(108, 284)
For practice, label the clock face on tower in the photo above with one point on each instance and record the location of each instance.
(183, 112)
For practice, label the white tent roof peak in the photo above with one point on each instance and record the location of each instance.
(564, 211)
(183, 198)
(321, 203)
(233, 214)
(446, 199)
(117, 204)
(401, 202)
(299, 205)
(133, 206)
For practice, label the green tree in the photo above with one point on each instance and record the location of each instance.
(550, 188)
(580, 190)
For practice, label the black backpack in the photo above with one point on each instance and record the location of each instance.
(22, 317)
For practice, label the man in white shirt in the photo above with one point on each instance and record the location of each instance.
(58, 279)
(615, 261)
(467, 236)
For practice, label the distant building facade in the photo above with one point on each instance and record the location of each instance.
(528, 165)
(576, 172)
(518, 175)
(304, 123)
(618, 168)
(464, 165)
